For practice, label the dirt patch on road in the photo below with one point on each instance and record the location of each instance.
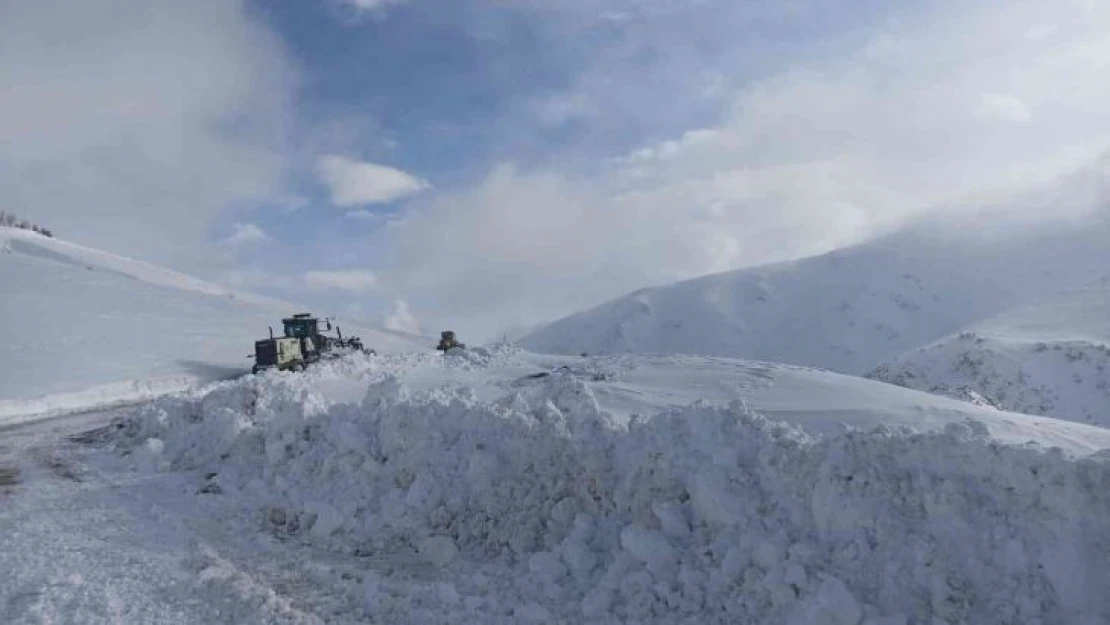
(97, 435)
(59, 467)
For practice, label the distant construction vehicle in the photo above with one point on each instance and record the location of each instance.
(302, 345)
(447, 341)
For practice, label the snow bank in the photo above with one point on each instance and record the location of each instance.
(96, 397)
(539, 501)
(482, 357)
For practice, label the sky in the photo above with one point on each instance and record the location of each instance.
(490, 165)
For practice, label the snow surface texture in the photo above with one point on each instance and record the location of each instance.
(538, 505)
(851, 310)
(1048, 358)
(87, 328)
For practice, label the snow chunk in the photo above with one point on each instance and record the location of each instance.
(547, 566)
(832, 604)
(715, 500)
(734, 563)
(649, 547)
(438, 550)
(671, 519)
(767, 554)
(328, 520)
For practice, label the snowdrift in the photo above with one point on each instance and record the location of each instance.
(540, 506)
(851, 310)
(1051, 357)
(86, 328)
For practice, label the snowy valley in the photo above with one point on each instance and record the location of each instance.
(584, 312)
(496, 485)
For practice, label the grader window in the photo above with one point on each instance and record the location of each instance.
(300, 328)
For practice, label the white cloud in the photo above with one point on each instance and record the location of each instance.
(818, 156)
(132, 124)
(371, 5)
(401, 319)
(292, 203)
(897, 128)
(246, 234)
(351, 280)
(562, 108)
(1004, 107)
(521, 246)
(354, 183)
(365, 215)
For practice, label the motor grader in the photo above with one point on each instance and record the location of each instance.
(302, 344)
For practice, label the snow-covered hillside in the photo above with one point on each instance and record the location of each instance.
(494, 486)
(1051, 357)
(850, 310)
(83, 327)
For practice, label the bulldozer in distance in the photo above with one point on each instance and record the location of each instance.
(447, 341)
(302, 345)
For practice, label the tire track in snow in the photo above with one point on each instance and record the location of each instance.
(83, 541)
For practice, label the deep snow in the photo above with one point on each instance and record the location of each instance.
(85, 540)
(851, 310)
(493, 485)
(564, 490)
(84, 328)
(1049, 357)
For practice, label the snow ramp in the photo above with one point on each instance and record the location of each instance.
(539, 507)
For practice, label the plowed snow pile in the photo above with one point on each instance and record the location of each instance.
(538, 506)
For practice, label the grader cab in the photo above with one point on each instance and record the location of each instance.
(448, 341)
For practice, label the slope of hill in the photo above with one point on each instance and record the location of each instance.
(83, 327)
(1051, 357)
(850, 310)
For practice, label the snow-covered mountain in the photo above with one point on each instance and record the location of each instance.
(850, 310)
(84, 327)
(1050, 357)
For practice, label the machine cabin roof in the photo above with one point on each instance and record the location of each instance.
(301, 326)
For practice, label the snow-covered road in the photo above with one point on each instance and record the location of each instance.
(83, 539)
